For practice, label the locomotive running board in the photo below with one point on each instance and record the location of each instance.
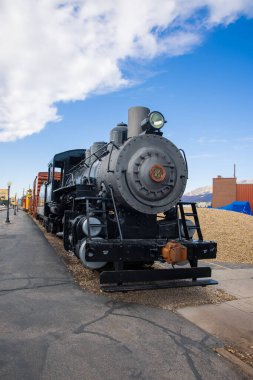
(143, 279)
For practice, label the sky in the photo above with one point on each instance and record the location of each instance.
(69, 71)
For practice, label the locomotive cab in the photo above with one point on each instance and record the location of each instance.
(53, 205)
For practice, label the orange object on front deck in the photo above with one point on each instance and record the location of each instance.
(174, 252)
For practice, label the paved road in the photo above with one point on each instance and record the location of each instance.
(50, 329)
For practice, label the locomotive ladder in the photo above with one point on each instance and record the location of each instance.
(195, 226)
(90, 211)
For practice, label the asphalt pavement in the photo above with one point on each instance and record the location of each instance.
(52, 330)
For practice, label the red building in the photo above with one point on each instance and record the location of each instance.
(227, 190)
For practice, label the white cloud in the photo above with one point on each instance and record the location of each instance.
(56, 50)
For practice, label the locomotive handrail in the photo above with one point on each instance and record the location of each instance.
(116, 213)
(185, 160)
(98, 158)
(72, 178)
(83, 162)
(108, 166)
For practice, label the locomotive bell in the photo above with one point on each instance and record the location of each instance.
(119, 134)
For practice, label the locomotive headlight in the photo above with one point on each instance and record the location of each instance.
(154, 121)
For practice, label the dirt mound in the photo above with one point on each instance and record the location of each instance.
(232, 231)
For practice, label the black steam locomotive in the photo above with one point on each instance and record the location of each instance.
(117, 206)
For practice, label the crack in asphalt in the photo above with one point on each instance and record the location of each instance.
(30, 278)
(82, 327)
(102, 335)
(7, 291)
(180, 340)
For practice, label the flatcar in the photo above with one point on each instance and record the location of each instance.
(118, 207)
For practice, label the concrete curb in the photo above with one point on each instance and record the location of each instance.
(235, 360)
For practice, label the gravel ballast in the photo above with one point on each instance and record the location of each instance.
(164, 298)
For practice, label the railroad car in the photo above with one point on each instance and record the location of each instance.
(27, 200)
(117, 206)
(39, 180)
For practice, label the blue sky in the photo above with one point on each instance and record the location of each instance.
(204, 91)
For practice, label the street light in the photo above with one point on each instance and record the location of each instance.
(8, 203)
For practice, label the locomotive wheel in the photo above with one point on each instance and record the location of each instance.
(89, 264)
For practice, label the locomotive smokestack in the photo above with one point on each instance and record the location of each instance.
(135, 117)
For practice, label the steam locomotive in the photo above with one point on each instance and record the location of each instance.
(117, 206)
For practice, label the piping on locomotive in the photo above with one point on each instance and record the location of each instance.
(117, 206)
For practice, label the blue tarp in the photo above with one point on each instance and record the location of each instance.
(238, 206)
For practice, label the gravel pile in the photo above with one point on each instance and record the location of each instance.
(233, 232)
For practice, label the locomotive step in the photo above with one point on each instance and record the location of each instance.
(171, 284)
(139, 275)
(141, 279)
